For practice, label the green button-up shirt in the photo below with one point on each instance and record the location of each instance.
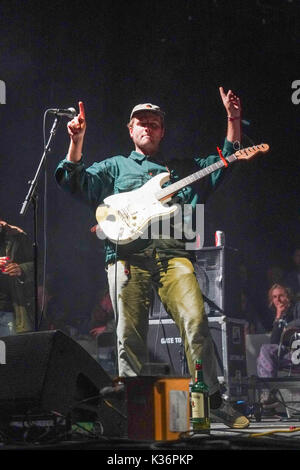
(120, 174)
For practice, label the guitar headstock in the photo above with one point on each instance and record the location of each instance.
(250, 152)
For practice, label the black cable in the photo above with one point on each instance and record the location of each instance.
(31, 425)
(42, 313)
(116, 311)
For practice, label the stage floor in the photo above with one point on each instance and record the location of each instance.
(270, 434)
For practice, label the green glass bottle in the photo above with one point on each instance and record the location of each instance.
(200, 402)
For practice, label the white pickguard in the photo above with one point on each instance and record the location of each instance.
(124, 217)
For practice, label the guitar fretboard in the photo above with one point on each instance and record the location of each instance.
(175, 187)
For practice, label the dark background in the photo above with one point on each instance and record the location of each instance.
(113, 55)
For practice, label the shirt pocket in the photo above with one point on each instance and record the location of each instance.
(129, 183)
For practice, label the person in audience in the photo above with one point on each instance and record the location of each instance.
(286, 321)
(16, 281)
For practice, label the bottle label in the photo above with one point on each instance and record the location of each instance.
(198, 405)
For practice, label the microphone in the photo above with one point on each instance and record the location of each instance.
(70, 112)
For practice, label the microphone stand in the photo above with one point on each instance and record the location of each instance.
(31, 197)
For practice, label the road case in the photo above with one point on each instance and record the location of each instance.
(228, 334)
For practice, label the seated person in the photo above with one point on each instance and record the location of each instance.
(16, 281)
(287, 317)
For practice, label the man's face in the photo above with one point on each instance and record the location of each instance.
(146, 132)
(280, 298)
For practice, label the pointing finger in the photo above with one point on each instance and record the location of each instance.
(222, 92)
(81, 110)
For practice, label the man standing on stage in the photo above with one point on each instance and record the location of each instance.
(161, 263)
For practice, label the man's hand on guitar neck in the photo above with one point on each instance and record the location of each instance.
(76, 131)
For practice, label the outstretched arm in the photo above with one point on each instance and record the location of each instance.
(233, 108)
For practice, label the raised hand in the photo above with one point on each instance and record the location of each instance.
(77, 127)
(231, 103)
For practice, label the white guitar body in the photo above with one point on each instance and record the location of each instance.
(124, 217)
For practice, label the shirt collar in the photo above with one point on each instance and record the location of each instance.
(138, 156)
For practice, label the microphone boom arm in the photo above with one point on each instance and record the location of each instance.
(33, 184)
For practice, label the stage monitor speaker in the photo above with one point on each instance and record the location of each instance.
(45, 372)
(217, 272)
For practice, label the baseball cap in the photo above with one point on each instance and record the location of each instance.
(147, 107)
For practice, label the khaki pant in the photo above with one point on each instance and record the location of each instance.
(179, 291)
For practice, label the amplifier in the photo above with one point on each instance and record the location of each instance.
(228, 334)
(165, 346)
(157, 407)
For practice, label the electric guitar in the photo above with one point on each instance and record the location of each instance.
(124, 217)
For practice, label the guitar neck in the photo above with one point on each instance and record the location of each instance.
(175, 187)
